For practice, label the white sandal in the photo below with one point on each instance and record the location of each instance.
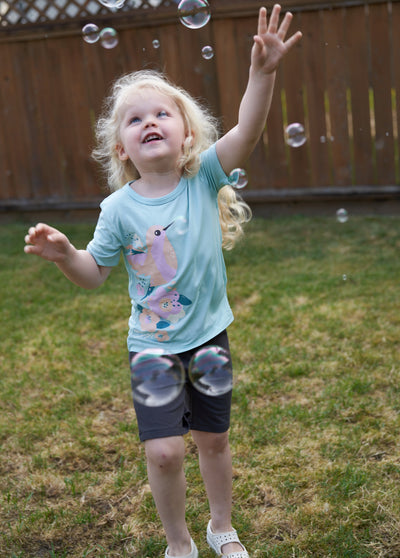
(217, 540)
(194, 553)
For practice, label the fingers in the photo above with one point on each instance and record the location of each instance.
(273, 25)
(283, 29)
(29, 249)
(258, 44)
(262, 22)
(35, 234)
(274, 19)
(293, 39)
(29, 238)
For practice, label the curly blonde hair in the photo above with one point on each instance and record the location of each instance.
(201, 131)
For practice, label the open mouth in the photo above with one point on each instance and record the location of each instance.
(152, 137)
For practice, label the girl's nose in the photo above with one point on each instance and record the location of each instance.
(149, 121)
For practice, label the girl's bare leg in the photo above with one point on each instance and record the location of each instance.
(168, 485)
(216, 469)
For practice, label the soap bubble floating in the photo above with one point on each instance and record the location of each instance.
(108, 37)
(207, 52)
(210, 371)
(295, 135)
(156, 43)
(194, 13)
(90, 33)
(157, 378)
(342, 215)
(238, 178)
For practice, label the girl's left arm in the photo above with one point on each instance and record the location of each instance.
(235, 147)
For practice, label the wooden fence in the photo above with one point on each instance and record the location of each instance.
(342, 82)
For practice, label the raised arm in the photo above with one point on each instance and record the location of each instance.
(269, 47)
(77, 265)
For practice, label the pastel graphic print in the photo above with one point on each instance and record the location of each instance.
(155, 265)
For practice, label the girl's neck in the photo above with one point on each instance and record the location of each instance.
(156, 185)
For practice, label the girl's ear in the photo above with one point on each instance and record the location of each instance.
(123, 156)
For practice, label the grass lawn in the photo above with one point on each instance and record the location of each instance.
(315, 418)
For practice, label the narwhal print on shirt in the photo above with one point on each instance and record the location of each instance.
(155, 264)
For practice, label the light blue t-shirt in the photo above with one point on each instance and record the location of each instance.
(172, 251)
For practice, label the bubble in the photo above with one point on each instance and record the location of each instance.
(238, 178)
(112, 3)
(156, 378)
(156, 43)
(108, 37)
(210, 371)
(342, 215)
(90, 33)
(295, 135)
(194, 13)
(344, 277)
(181, 225)
(207, 52)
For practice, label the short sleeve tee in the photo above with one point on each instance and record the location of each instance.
(172, 249)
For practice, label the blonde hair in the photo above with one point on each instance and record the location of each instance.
(201, 131)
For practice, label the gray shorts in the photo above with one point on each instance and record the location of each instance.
(191, 410)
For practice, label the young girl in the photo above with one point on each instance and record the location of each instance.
(166, 168)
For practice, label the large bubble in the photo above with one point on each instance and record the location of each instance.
(194, 13)
(210, 370)
(156, 378)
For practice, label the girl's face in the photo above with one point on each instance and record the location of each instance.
(152, 131)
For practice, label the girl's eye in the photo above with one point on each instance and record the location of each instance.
(134, 120)
(162, 113)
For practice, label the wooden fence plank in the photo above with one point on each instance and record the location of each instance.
(227, 74)
(277, 170)
(381, 83)
(41, 178)
(170, 52)
(396, 80)
(193, 65)
(23, 106)
(314, 76)
(335, 62)
(12, 135)
(293, 82)
(357, 42)
(244, 31)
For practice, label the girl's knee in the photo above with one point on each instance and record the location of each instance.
(212, 443)
(165, 453)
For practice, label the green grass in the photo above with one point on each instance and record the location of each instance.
(316, 407)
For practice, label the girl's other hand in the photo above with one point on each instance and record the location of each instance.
(47, 242)
(269, 43)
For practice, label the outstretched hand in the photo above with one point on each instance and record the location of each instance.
(269, 43)
(47, 242)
